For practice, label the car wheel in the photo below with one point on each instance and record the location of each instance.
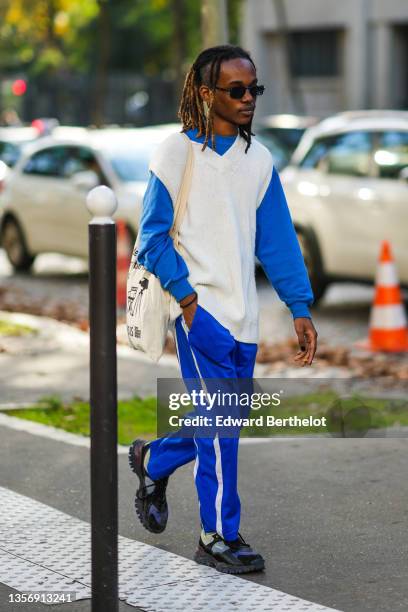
(13, 242)
(311, 256)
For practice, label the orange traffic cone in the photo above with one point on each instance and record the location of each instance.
(388, 323)
(122, 263)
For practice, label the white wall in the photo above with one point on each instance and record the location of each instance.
(372, 70)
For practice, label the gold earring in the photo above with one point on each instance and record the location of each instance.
(206, 109)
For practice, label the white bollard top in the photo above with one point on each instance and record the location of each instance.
(102, 204)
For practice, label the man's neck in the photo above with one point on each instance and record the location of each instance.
(221, 135)
(224, 128)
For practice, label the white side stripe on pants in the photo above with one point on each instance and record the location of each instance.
(196, 464)
(217, 449)
(218, 471)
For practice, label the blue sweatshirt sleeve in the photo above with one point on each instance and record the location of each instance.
(156, 248)
(278, 250)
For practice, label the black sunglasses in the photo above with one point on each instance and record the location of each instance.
(238, 91)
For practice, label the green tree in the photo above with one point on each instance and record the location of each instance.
(149, 36)
(155, 38)
(43, 35)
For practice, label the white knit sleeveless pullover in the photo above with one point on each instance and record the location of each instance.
(217, 235)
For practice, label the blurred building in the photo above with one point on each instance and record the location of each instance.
(321, 56)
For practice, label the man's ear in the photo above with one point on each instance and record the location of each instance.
(206, 93)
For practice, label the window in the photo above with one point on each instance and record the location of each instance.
(48, 162)
(391, 154)
(316, 153)
(314, 53)
(9, 153)
(78, 159)
(82, 159)
(280, 154)
(130, 162)
(349, 153)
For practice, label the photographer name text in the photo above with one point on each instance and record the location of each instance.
(268, 420)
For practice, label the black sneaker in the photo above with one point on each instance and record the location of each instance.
(230, 557)
(150, 501)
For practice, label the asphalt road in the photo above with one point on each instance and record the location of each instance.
(329, 515)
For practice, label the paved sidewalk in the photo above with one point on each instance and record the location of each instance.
(56, 361)
(329, 515)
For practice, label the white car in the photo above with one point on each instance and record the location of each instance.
(43, 204)
(347, 189)
(285, 129)
(12, 142)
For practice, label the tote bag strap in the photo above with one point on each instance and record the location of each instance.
(182, 196)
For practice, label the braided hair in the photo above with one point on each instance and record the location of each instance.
(206, 71)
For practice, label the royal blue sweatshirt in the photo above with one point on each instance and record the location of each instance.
(276, 247)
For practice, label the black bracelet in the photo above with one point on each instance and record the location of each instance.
(189, 303)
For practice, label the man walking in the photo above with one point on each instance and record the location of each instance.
(236, 211)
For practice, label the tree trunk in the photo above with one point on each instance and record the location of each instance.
(102, 66)
(179, 44)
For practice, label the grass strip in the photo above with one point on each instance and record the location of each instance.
(137, 417)
(9, 328)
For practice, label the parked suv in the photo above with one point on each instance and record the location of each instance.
(347, 188)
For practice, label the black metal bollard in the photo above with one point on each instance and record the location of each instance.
(101, 202)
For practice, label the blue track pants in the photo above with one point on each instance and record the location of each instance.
(207, 350)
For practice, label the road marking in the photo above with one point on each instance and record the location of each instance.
(44, 549)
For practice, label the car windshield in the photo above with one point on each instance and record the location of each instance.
(279, 152)
(131, 163)
(11, 150)
(9, 153)
(287, 137)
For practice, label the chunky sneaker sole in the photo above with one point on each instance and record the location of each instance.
(150, 500)
(229, 557)
(204, 558)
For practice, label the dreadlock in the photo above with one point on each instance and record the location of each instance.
(206, 71)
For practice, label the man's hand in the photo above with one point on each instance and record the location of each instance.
(307, 336)
(189, 312)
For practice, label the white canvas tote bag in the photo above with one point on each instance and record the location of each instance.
(150, 309)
